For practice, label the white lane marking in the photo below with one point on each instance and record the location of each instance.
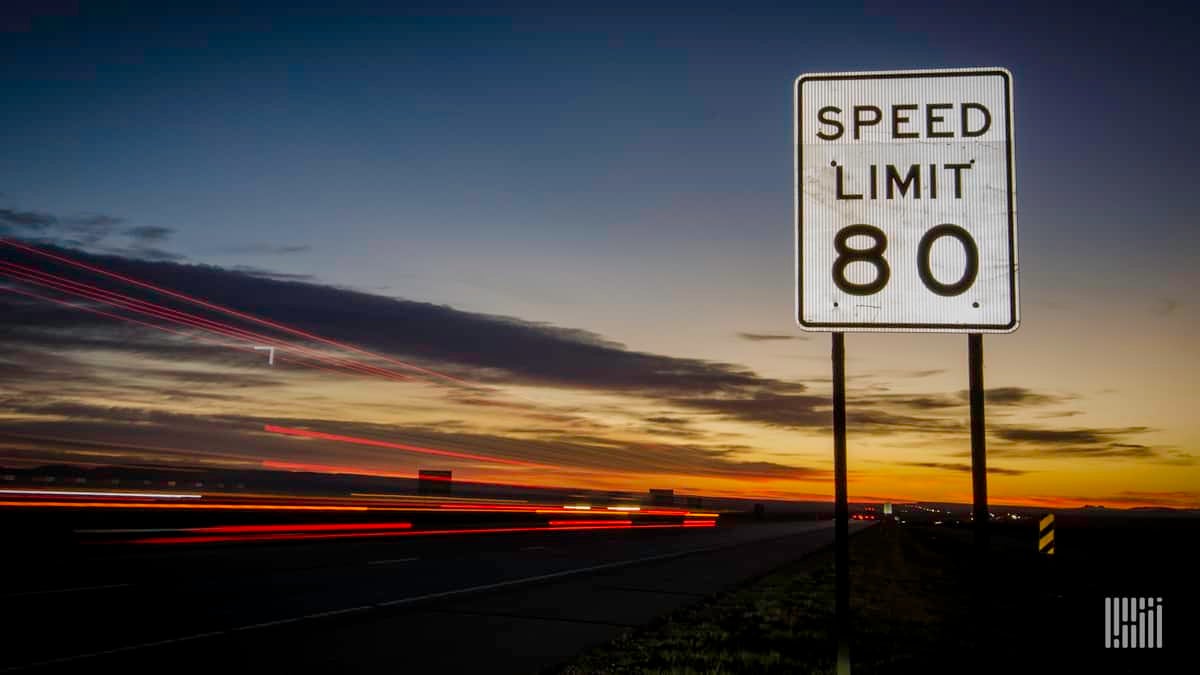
(74, 589)
(115, 650)
(168, 641)
(314, 615)
(393, 561)
(413, 599)
(335, 612)
(81, 493)
(268, 624)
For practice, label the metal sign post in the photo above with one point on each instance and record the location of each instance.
(978, 441)
(841, 506)
(905, 222)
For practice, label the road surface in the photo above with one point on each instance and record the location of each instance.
(471, 603)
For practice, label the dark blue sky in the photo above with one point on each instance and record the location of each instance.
(559, 123)
(453, 139)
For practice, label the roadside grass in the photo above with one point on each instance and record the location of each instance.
(910, 611)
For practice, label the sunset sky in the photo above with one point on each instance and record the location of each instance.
(583, 225)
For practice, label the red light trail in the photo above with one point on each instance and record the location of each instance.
(607, 523)
(232, 312)
(89, 493)
(192, 501)
(128, 502)
(215, 539)
(169, 320)
(312, 527)
(360, 471)
(113, 298)
(153, 311)
(164, 329)
(303, 433)
(150, 309)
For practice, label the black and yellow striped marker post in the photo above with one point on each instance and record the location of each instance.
(1046, 535)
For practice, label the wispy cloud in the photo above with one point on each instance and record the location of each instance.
(920, 402)
(145, 252)
(922, 373)
(1059, 438)
(1019, 396)
(1166, 306)
(27, 220)
(82, 231)
(1178, 497)
(1009, 397)
(770, 337)
(261, 248)
(958, 466)
(148, 234)
(1081, 442)
(670, 421)
(270, 274)
(95, 232)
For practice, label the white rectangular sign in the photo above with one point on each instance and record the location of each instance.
(905, 202)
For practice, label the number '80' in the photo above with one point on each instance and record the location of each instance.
(873, 255)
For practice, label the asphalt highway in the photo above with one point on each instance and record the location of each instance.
(513, 602)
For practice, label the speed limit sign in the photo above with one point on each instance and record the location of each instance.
(905, 202)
